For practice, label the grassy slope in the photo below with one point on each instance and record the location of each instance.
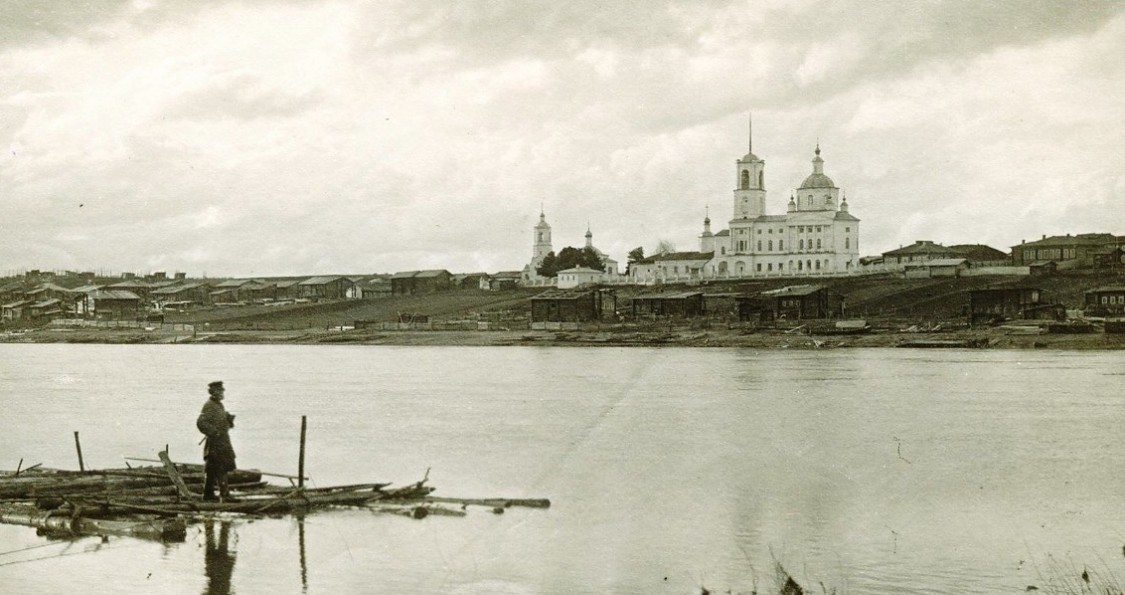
(870, 297)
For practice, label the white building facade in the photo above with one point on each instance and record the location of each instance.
(816, 236)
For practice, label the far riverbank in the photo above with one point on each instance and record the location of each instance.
(986, 338)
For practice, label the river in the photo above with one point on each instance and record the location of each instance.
(873, 471)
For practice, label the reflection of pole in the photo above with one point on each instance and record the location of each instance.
(78, 445)
(301, 460)
(301, 543)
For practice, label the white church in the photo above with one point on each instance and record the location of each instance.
(816, 236)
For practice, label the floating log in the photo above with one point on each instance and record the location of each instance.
(143, 527)
(492, 502)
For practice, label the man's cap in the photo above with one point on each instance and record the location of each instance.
(215, 385)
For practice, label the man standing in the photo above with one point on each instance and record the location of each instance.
(218, 453)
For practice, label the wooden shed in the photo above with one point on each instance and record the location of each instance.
(999, 303)
(682, 304)
(412, 282)
(800, 302)
(574, 305)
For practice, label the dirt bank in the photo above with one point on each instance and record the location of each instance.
(989, 338)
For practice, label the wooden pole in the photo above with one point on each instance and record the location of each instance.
(78, 445)
(301, 460)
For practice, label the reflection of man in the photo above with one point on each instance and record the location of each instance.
(218, 561)
(218, 454)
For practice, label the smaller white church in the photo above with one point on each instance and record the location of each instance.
(541, 247)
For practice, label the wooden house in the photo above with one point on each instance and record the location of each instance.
(45, 309)
(1070, 251)
(114, 304)
(14, 311)
(682, 304)
(938, 267)
(504, 280)
(138, 288)
(185, 293)
(1106, 301)
(325, 288)
(468, 280)
(258, 291)
(288, 289)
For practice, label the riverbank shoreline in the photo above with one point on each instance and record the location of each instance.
(987, 338)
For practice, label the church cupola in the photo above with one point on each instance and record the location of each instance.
(707, 240)
(818, 192)
(792, 204)
(589, 237)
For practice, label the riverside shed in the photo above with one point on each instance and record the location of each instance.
(683, 304)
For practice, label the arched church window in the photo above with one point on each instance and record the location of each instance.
(781, 244)
(818, 243)
(759, 245)
(827, 199)
(847, 243)
(800, 244)
(745, 184)
(761, 184)
(800, 266)
(771, 245)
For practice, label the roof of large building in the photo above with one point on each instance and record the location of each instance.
(677, 256)
(1085, 239)
(668, 295)
(319, 280)
(978, 252)
(114, 294)
(921, 247)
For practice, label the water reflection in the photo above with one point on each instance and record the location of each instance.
(218, 559)
(301, 544)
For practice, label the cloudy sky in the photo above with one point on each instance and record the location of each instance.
(263, 137)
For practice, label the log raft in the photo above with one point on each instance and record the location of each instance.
(152, 502)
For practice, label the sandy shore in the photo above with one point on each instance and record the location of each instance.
(989, 338)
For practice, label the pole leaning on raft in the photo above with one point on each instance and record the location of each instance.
(301, 459)
(78, 445)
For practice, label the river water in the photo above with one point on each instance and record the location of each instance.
(872, 471)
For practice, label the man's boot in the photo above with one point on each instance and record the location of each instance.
(209, 489)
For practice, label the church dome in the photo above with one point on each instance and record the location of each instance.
(750, 157)
(817, 181)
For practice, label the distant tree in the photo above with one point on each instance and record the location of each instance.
(569, 258)
(664, 247)
(635, 255)
(549, 267)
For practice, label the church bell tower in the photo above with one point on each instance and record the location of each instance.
(750, 189)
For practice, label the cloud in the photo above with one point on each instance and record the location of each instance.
(338, 135)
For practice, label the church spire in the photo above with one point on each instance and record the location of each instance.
(750, 135)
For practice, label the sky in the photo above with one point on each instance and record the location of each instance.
(301, 137)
